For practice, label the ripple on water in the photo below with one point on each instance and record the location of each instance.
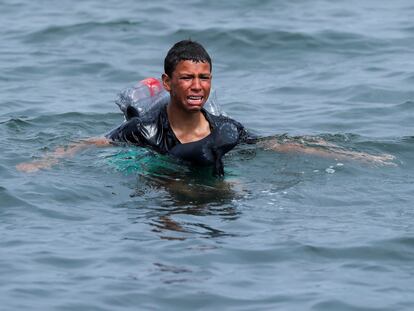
(8, 200)
(106, 231)
(384, 251)
(340, 305)
(64, 262)
(57, 33)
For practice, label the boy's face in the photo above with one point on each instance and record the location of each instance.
(189, 85)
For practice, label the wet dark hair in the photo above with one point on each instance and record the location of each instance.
(185, 50)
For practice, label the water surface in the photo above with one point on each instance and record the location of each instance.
(125, 229)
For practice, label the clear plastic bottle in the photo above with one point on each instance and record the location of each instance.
(149, 92)
(143, 95)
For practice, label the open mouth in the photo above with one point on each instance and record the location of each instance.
(195, 100)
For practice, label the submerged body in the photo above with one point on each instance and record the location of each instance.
(153, 129)
(183, 128)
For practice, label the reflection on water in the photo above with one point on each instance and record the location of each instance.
(180, 193)
(196, 192)
(188, 199)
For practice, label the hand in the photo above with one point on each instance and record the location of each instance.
(329, 150)
(382, 159)
(31, 167)
(51, 159)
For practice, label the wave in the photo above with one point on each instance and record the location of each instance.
(9, 200)
(59, 117)
(384, 250)
(63, 31)
(279, 40)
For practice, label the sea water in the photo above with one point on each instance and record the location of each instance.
(123, 228)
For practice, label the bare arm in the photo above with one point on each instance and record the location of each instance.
(322, 148)
(50, 159)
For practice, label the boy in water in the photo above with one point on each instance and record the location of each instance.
(183, 129)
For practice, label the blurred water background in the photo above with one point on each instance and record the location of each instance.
(124, 229)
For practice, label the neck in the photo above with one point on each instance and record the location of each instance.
(187, 126)
(183, 119)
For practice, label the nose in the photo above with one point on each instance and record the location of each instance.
(196, 85)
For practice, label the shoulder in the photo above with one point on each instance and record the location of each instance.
(154, 115)
(221, 122)
(141, 129)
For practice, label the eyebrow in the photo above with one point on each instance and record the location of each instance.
(192, 74)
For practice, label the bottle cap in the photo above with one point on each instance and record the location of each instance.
(153, 84)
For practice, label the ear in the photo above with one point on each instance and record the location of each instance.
(166, 82)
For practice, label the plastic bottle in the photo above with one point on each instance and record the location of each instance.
(143, 95)
(149, 92)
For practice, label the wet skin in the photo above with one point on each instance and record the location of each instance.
(189, 85)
